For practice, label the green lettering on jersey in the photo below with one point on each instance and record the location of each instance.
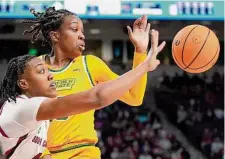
(65, 84)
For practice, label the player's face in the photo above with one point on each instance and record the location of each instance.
(71, 36)
(38, 79)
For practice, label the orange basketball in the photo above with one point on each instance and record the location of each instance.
(195, 48)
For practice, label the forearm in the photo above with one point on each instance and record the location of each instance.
(135, 94)
(112, 90)
(100, 73)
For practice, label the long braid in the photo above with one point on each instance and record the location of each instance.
(50, 20)
(9, 87)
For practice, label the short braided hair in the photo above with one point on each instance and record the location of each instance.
(50, 20)
(9, 87)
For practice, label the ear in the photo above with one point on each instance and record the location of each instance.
(54, 35)
(23, 84)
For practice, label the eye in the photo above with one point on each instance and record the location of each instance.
(75, 29)
(42, 71)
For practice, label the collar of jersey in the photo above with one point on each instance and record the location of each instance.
(61, 69)
(23, 96)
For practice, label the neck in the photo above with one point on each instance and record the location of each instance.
(58, 58)
(27, 94)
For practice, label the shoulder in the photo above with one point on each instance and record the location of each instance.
(34, 101)
(91, 59)
(19, 100)
(22, 101)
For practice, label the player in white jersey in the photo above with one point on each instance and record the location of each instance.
(22, 136)
(31, 102)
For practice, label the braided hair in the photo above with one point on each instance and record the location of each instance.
(50, 20)
(9, 87)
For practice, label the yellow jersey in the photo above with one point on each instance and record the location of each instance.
(81, 74)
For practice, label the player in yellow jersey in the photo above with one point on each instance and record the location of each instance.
(74, 136)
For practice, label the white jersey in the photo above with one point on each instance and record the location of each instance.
(21, 135)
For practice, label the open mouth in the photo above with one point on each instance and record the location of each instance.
(52, 85)
(82, 47)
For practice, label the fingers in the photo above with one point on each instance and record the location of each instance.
(153, 44)
(136, 24)
(161, 46)
(144, 22)
(137, 21)
(157, 63)
(129, 31)
(149, 53)
(154, 41)
(147, 30)
(144, 18)
(140, 23)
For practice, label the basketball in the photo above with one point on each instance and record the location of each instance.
(195, 48)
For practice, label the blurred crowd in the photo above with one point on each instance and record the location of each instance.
(196, 105)
(135, 133)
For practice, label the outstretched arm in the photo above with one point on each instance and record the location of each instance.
(100, 72)
(98, 97)
(101, 95)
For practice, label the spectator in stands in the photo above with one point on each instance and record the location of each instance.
(216, 146)
(181, 114)
(199, 110)
(140, 137)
